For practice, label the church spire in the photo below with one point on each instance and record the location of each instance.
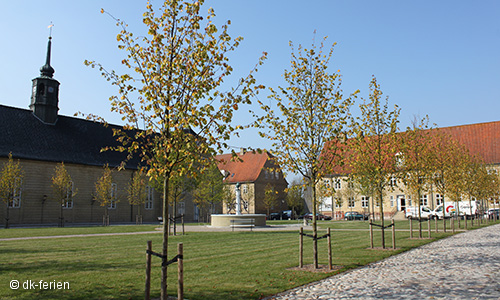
(46, 70)
(45, 92)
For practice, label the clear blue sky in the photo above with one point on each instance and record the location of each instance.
(440, 58)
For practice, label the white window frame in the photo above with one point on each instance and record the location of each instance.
(17, 193)
(338, 202)
(351, 202)
(338, 184)
(68, 202)
(364, 201)
(181, 208)
(392, 201)
(439, 199)
(393, 181)
(148, 204)
(112, 202)
(424, 200)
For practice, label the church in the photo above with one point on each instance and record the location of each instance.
(39, 138)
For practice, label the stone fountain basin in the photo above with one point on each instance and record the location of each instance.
(224, 220)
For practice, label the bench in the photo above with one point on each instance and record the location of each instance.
(242, 223)
(160, 219)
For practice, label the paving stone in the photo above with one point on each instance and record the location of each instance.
(463, 266)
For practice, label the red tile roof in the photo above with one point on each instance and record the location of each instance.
(247, 170)
(481, 139)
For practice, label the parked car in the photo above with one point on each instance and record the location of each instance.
(318, 217)
(283, 215)
(354, 215)
(490, 214)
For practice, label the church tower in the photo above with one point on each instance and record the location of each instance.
(45, 92)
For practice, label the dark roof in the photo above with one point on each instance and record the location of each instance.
(70, 140)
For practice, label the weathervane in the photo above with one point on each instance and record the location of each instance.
(50, 27)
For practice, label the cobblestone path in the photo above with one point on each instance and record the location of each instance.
(464, 266)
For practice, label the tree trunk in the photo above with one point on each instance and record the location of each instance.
(381, 196)
(419, 216)
(165, 239)
(315, 228)
(7, 217)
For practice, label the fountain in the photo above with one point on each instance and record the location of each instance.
(222, 220)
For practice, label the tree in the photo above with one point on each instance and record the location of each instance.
(175, 114)
(416, 171)
(375, 156)
(270, 197)
(11, 179)
(105, 192)
(311, 119)
(444, 159)
(137, 192)
(209, 190)
(294, 197)
(63, 189)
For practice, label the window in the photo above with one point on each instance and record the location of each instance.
(364, 201)
(266, 174)
(338, 202)
(392, 201)
(181, 208)
(338, 184)
(423, 200)
(16, 194)
(68, 203)
(409, 200)
(439, 199)
(400, 160)
(350, 185)
(149, 198)
(393, 181)
(277, 175)
(350, 202)
(326, 183)
(245, 189)
(112, 202)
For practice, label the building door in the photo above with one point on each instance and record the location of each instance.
(401, 200)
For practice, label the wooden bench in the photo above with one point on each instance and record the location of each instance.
(242, 223)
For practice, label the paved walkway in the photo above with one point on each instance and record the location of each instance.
(464, 266)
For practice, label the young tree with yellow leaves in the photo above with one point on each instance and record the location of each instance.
(175, 112)
(137, 192)
(416, 170)
(11, 179)
(63, 189)
(105, 192)
(270, 198)
(375, 158)
(311, 117)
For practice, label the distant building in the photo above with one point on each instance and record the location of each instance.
(254, 172)
(482, 140)
(41, 138)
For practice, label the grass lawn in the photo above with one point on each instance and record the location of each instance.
(218, 265)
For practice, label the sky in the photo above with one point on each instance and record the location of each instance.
(435, 58)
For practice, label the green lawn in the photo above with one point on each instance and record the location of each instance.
(218, 265)
(51, 231)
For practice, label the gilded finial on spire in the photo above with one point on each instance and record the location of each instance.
(47, 70)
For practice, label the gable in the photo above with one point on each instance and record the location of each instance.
(246, 170)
